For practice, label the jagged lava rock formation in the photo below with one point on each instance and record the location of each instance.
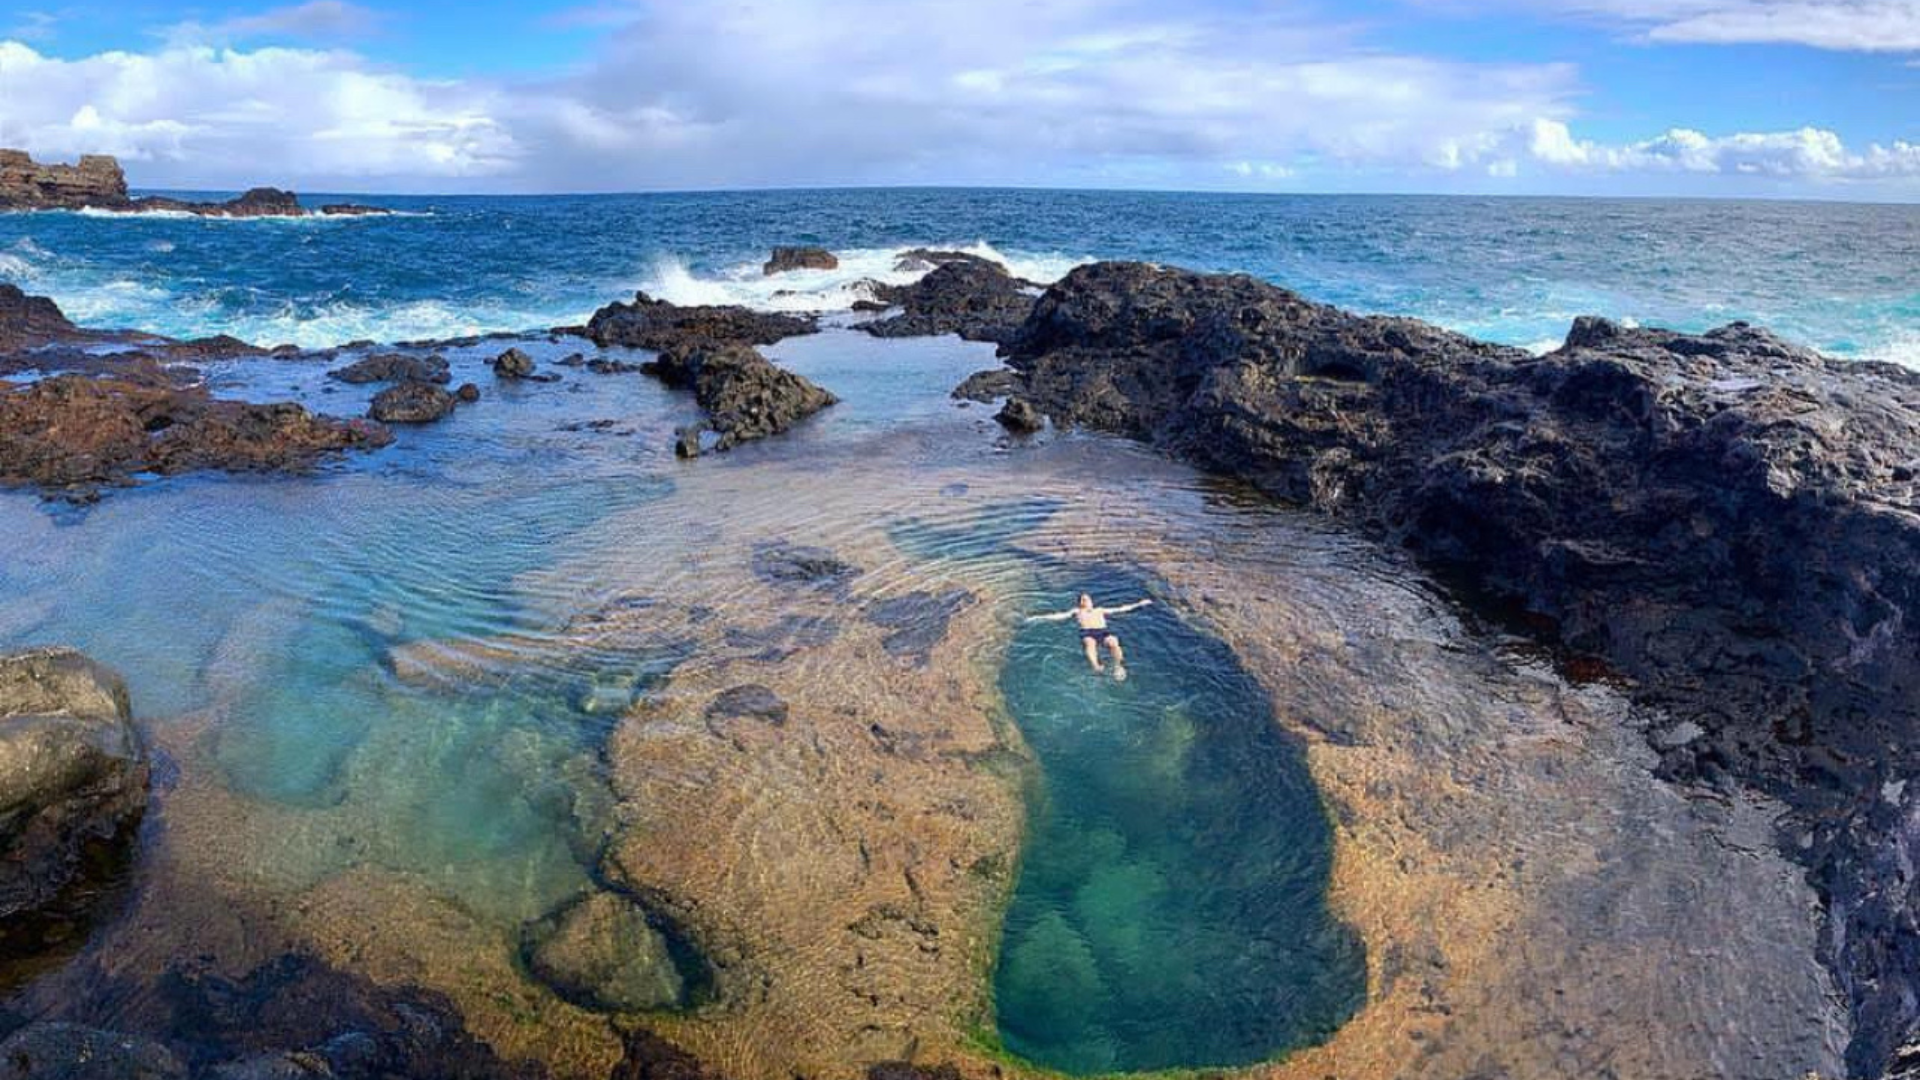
(1729, 520)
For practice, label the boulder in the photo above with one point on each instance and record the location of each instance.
(602, 952)
(1020, 417)
(657, 325)
(395, 367)
(799, 258)
(411, 403)
(975, 299)
(1729, 520)
(513, 364)
(745, 395)
(72, 771)
(46, 1050)
(467, 394)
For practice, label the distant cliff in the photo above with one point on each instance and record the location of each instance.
(98, 182)
(27, 185)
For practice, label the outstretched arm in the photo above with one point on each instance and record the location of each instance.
(1135, 606)
(1058, 616)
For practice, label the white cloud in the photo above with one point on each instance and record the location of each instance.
(1806, 153)
(802, 92)
(201, 115)
(1840, 25)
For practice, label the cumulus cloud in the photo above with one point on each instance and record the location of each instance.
(802, 92)
(1808, 152)
(205, 115)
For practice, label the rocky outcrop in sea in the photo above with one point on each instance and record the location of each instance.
(968, 296)
(97, 182)
(709, 350)
(1727, 520)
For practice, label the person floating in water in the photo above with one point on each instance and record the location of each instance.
(1094, 632)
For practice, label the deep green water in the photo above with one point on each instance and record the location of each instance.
(1171, 906)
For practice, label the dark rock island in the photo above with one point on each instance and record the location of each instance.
(97, 182)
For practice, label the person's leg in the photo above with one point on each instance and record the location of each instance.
(1093, 651)
(1119, 655)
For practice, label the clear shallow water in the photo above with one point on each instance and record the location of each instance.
(1171, 907)
(1842, 277)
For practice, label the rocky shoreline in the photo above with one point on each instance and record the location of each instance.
(97, 182)
(1723, 524)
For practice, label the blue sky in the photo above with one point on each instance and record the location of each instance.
(1804, 98)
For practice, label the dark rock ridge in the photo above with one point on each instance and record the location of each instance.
(972, 297)
(799, 258)
(98, 182)
(72, 773)
(914, 260)
(291, 1017)
(72, 430)
(657, 325)
(1727, 519)
(745, 395)
(394, 367)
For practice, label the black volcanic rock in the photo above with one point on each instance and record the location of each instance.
(975, 299)
(513, 364)
(657, 325)
(745, 395)
(394, 367)
(411, 403)
(1731, 521)
(799, 258)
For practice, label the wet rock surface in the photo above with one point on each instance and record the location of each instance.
(971, 297)
(413, 403)
(1725, 518)
(784, 259)
(781, 563)
(76, 432)
(647, 323)
(394, 367)
(745, 395)
(57, 1051)
(73, 775)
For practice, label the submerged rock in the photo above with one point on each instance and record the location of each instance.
(47, 1050)
(781, 563)
(746, 396)
(72, 771)
(1727, 519)
(72, 430)
(918, 621)
(799, 258)
(412, 403)
(647, 323)
(602, 952)
(394, 367)
(749, 701)
(975, 299)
